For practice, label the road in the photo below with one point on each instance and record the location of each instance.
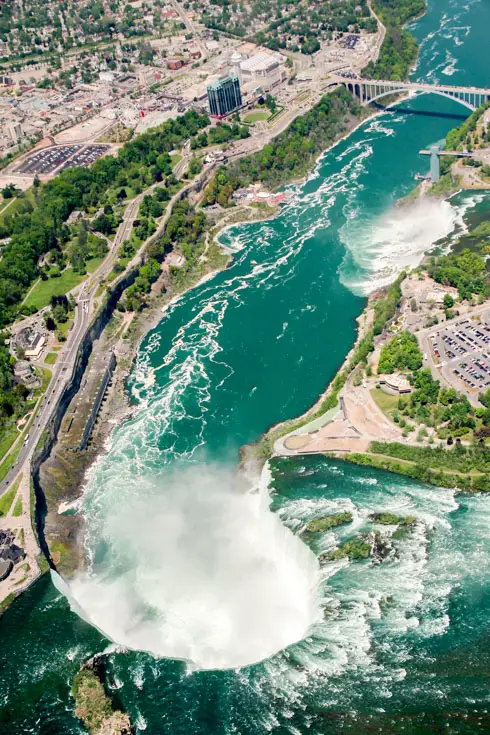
(381, 32)
(84, 311)
(63, 369)
(442, 370)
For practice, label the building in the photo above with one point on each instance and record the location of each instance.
(235, 63)
(262, 71)
(395, 383)
(224, 96)
(37, 346)
(24, 373)
(10, 553)
(16, 132)
(435, 164)
(175, 63)
(31, 341)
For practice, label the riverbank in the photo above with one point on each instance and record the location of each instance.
(360, 417)
(63, 474)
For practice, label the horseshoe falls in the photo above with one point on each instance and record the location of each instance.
(230, 623)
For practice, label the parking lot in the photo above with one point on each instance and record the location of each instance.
(463, 350)
(87, 155)
(49, 159)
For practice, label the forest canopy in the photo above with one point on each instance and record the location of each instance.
(399, 49)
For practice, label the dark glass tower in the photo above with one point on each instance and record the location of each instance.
(224, 96)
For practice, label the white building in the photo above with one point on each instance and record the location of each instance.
(16, 132)
(235, 63)
(262, 70)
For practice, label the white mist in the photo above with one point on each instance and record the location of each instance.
(379, 249)
(198, 569)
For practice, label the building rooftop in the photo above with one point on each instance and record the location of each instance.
(216, 81)
(259, 62)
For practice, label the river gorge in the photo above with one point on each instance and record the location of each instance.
(229, 623)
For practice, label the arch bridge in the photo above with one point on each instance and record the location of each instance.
(371, 90)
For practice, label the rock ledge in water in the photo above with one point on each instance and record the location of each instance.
(94, 708)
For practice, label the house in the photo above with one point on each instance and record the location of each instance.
(175, 64)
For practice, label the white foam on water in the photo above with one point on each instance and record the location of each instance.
(200, 570)
(380, 248)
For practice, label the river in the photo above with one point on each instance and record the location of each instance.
(249, 634)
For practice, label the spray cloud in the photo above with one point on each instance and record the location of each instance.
(195, 568)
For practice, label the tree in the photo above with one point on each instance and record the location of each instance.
(60, 315)
(49, 322)
(271, 103)
(401, 353)
(9, 191)
(104, 224)
(448, 301)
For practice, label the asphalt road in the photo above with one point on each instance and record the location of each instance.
(85, 295)
(84, 311)
(63, 369)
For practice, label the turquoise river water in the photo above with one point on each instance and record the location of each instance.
(224, 620)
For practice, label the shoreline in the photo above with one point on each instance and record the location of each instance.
(321, 424)
(121, 408)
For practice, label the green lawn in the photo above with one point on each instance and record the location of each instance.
(6, 500)
(7, 437)
(175, 158)
(64, 327)
(45, 375)
(94, 263)
(17, 511)
(51, 358)
(256, 116)
(42, 292)
(384, 401)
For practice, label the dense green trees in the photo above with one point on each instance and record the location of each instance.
(41, 227)
(459, 137)
(220, 133)
(291, 153)
(401, 353)
(399, 49)
(426, 388)
(12, 397)
(461, 458)
(184, 231)
(466, 271)
(385, 308)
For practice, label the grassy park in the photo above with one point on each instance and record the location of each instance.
(386, 402)
(256, 116)
(41, 294)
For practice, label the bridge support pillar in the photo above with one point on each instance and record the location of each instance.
(435, 166)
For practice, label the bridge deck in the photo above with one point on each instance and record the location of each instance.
(459, 154)
(416, 86)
